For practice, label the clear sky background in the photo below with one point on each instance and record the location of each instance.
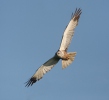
(30, 34)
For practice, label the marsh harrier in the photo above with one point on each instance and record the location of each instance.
(66, 57)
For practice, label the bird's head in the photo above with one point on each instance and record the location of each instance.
(60, 54)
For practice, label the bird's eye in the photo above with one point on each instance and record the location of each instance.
(58, 52)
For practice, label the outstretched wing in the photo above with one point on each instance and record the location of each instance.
(47, 66)
(69, 31)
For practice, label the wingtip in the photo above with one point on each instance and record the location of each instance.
(77, 14)
(30, 82)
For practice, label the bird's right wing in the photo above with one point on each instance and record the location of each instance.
(69, 31)
(47, 66)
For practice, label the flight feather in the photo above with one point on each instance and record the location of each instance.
(69, 31)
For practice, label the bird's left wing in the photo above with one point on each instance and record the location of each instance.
(69, 31)
(47, 66)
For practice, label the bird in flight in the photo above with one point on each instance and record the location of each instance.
(66, 57)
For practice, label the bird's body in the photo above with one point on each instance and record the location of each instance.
(66, 57)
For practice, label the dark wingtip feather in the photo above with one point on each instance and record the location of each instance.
(30, 82)
(77, 14)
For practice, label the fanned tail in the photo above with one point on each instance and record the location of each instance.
(71, 57)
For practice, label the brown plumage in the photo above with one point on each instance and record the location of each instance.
(67, 58)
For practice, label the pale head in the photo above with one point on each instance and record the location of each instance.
(60, 54)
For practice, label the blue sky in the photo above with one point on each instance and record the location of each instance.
(30, 34)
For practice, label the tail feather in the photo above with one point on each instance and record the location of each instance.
(71, 57)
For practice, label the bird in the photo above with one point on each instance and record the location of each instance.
(61, 54)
